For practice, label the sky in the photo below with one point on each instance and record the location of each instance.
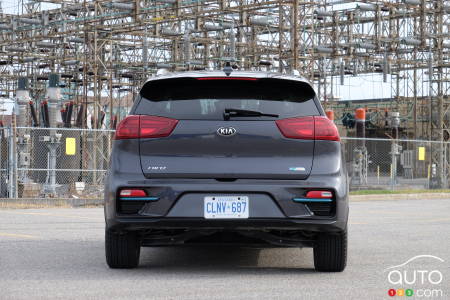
(14, 6)
(9, 6)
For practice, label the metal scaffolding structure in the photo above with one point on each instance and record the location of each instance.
(103, 50)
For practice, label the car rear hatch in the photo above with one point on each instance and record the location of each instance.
(184, 132)
(257, 150)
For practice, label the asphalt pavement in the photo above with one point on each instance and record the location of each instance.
(59, 254)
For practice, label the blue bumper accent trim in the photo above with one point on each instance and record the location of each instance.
(306, 200)
(140, 198)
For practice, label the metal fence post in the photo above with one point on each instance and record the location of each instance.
(393, 166)
(444, 165)
(12, 163)
(1, 165)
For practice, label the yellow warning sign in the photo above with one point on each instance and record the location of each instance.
(71, 146)
(421, 153)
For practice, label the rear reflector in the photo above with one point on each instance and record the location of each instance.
(133, 127)
(316, 197)
(309, 128)
(133, 193)
(228, 78)
(312, 200)
(319, 194)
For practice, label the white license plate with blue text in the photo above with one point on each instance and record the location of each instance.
(226, 207)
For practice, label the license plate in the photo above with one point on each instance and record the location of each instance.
(226, 207)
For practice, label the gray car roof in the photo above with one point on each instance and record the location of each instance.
(253, 74)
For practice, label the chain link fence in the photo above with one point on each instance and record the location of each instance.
(392, 164)
(62, 162)
(72, 163)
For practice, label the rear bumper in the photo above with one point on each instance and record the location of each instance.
(290, 215)
(139, 223)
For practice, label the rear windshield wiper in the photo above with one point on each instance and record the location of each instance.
(232, 112)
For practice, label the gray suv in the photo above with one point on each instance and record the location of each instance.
(213, 158)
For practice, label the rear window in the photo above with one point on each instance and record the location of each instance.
(193, 99)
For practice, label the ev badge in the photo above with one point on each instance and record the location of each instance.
(226, 131)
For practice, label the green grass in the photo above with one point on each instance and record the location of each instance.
(381, 192)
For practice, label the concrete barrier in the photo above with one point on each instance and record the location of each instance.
(418, 196)
(48, 202)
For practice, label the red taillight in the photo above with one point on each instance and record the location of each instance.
(128, 128)
(319, 194)
(133, 127)
(133, 193)
(309, 128)
(325, 129)
(152, 127)
(297, 128)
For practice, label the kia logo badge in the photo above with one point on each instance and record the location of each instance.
(226, 131)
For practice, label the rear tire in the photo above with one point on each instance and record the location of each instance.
(330, 252)
(122, 249)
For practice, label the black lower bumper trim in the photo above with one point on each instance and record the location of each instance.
(136, 224)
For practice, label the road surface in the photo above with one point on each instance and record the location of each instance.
(59, 254)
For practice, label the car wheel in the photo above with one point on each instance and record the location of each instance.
(330, 252)
(122, 249)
